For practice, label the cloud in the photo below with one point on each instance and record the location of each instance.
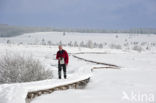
(100, 13)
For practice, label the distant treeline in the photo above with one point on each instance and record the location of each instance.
(9, 31)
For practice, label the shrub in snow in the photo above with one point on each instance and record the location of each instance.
(138, 48)
(115, 46)
(16, 68)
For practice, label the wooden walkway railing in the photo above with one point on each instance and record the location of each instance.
(107, 65)
(74, 85)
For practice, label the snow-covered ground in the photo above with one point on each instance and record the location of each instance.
(16, 93)
(134, 82)
(107, 40)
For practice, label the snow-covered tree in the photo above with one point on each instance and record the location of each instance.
(75, 44)
(138, 48)
(43, 42)
(82, 44)
(115, 46)
(8, 42)
(64, 33)
(90, 44)
(95, 45)
(49, 42)
(100, 45)
(116, 36)
(60, 43)
(70, 44)
(148, 48)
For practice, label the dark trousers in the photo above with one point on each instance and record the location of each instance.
(60, 67)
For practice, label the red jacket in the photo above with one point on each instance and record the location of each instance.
(64, 55)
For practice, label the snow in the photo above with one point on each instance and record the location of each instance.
(56, 37)
(16, 93)
(109, 85)
(134, 61)
(105, 86)
(136, 75)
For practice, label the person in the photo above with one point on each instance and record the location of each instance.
(62, 57)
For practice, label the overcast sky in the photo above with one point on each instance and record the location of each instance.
(109, 14)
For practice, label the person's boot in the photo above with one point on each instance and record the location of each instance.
(59, 77)
(65, 77)
(59, 74)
